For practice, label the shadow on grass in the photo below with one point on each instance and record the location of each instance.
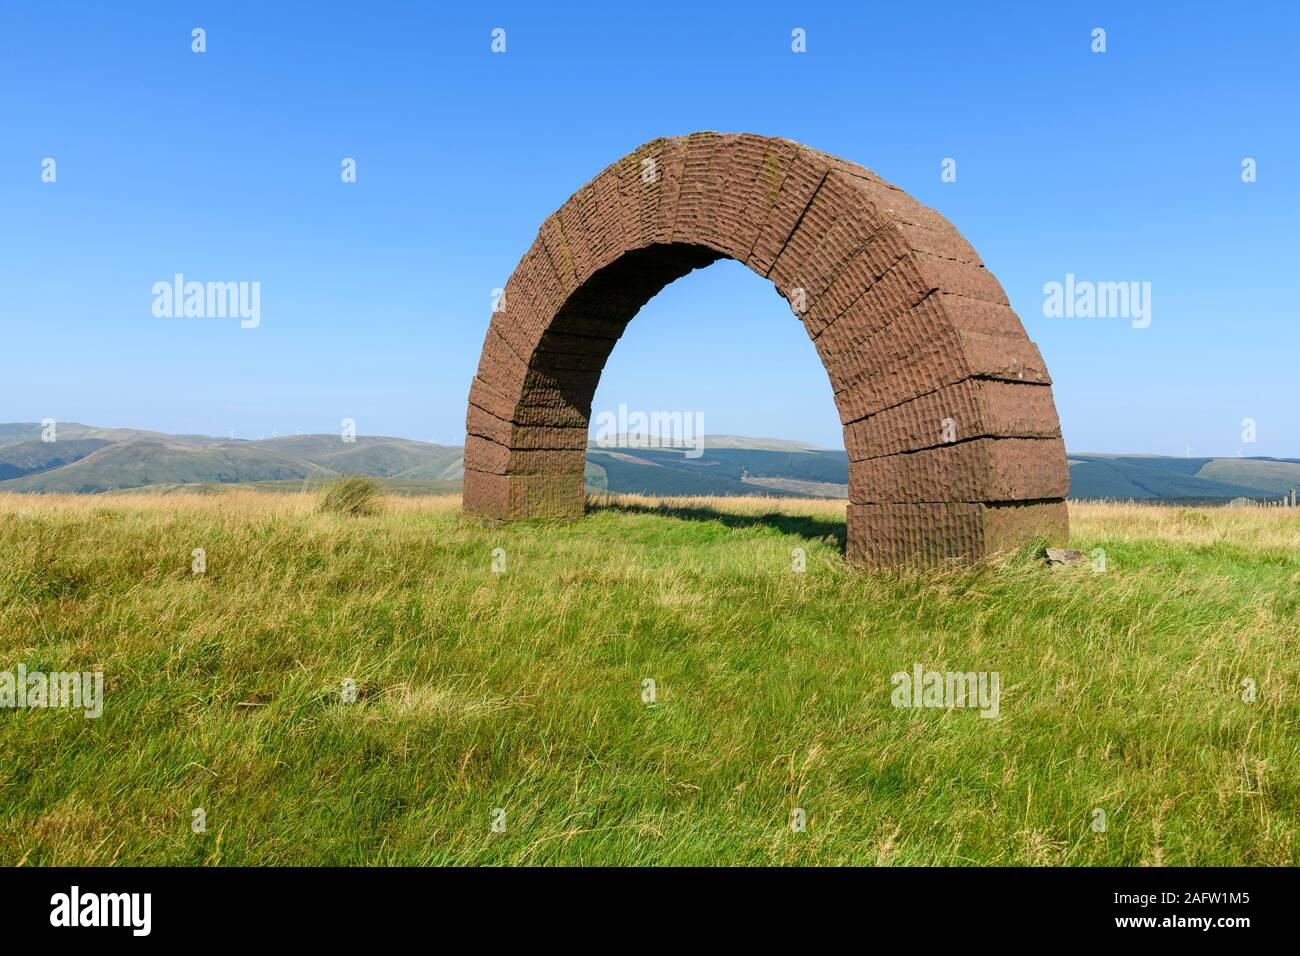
(805, 526)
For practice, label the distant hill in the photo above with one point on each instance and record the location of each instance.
(89, 460)
(28, 457)
(734, 470)
(135, 463)
(1276, 476)
(368, 455)
(714, 442)
(84, 460)
(1151, 477)
(13, 432)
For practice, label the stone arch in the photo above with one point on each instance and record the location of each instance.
(954, 445)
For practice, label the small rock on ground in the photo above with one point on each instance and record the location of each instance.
(1061, 557)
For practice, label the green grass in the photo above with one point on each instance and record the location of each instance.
(356, 495)
(523, 690)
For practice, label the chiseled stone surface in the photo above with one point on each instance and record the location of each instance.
(954, 443)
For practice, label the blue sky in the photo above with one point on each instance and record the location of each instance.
(225, 165)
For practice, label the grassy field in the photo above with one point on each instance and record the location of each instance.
(524, 691)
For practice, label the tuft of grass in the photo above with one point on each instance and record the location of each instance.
(331, 692)
(353, 495)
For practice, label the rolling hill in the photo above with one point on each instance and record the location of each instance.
(13, 432)
(89, 460)
(132, 464)
(368, 455)
(723, 471)
(1151, 477)
(29, 457)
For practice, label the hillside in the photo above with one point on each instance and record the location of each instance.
(380, 457)
(1152, 477)
(136, 463)
(819, 473)
(88, 460)
(13, 432)
(1276, 476)
(29, 457)
(85, 459)
(722, 441)
(719, 472)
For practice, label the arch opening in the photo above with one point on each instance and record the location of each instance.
(953, 439)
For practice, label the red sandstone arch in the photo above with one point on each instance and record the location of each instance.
(911, 327)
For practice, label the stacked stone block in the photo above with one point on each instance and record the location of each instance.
(953, 439)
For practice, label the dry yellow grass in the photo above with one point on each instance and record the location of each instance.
(1276, 526)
